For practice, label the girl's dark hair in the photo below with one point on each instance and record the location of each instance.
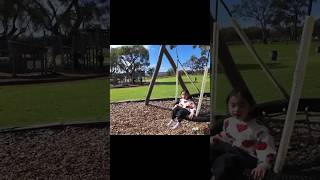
(244, 94)
(186, 92)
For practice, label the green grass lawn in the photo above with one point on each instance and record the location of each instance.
(165, 87)
(72, 101)
(257, 81)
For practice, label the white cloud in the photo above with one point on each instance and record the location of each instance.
(116, 46)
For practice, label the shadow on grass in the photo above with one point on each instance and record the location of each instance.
(256, 66)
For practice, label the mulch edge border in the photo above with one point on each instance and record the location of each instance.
(97, 124)
(157, 99)
(39, 81)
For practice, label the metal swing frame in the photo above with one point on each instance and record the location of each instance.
(163, 51)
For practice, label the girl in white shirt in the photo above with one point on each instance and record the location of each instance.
(242, 144)
(183, 108)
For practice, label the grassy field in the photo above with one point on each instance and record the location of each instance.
(257, 81)
(165, 87)
(72, 101)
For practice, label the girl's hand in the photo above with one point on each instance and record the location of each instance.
(259, 172)
(214, 139)
(174, 106)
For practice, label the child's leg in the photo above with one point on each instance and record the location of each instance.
(224, 167)
(232, 162)
(244, 160)
(174, 112)
(218, 149)
(174, 115)
(182, 114)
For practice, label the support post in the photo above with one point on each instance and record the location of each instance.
(230, 69)
(214, 69)
(155, 74)
(295, 93)
(177, 85)
(203, 85)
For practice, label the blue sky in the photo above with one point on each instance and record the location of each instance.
(223, 16)
(184, 53)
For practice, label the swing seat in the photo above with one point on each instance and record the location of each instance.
(203, 118)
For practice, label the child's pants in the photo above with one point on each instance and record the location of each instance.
(179, 113)
(229, 162)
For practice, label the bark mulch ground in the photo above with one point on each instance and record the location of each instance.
(63, 153)
(134, 118)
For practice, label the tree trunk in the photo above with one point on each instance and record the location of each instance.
(296, 27)
(264, 34)
(132, 78)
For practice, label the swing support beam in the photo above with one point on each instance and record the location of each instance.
(203, 85)
(163, 51)
(214, 46)
(179, 80)
(297, 85)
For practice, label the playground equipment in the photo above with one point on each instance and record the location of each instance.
(288, 110)
(204, 117)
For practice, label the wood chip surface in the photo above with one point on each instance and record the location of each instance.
(135, 118)
(64, 153)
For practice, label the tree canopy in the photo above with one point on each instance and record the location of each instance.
(129, 59)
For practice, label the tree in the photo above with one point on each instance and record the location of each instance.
(150, 71)
(64, 18)
(289, 15)
(14, 19)
(260, 11)
(49, 16)
(197, 64)
(316, 31)
(131, 59)
(170, 72)
(254, 33)
(229, 34)
(114, 61)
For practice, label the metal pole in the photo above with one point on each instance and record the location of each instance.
(203, 85)
(295, 93)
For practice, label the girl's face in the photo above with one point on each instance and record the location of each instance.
(239, 107)
(184, 95)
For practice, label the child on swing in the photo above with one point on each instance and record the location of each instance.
(183, 108)
(242, 143)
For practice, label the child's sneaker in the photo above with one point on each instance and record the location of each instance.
(176, 125)
(170, 123)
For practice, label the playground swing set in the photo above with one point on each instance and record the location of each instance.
(199, 117)
(286, 110)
